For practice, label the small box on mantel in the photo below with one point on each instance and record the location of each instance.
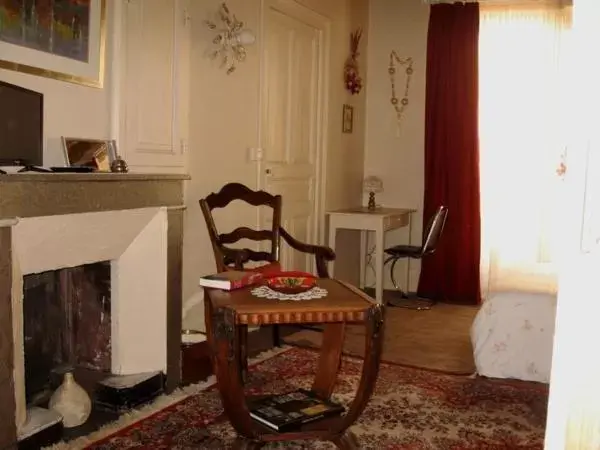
(121, 393)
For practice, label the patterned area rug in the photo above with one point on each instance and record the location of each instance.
(411, 409)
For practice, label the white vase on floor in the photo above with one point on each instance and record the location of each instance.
(71, 401)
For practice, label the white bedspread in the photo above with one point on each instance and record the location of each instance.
(512, 336)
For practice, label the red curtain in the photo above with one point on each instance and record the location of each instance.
(451, 274)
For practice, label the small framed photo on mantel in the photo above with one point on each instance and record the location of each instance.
(348, 119)
(93, 153)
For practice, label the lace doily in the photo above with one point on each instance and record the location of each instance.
(267, 292)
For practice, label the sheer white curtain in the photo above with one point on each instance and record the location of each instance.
(523, 141)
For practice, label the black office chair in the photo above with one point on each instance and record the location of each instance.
(430, 241)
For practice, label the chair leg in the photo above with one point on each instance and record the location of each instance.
(393, 277)
(407, 300)
(413, 302)
(276, 336)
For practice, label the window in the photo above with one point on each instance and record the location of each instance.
(523, 139)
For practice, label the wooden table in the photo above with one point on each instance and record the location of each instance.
(379, 220)
(228, 313)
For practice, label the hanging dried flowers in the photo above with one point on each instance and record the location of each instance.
(352, 78)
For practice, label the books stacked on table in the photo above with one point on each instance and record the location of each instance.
(289, 411)
(231, 279)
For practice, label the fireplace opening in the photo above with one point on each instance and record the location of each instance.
(67, 325)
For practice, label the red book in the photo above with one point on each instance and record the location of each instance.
(232, 279)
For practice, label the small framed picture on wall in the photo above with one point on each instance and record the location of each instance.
(348, 119)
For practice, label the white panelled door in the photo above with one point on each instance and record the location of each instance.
(292, 115)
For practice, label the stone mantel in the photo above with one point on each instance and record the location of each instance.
(31, 195)
(46, 194)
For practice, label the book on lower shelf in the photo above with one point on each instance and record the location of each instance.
(289, 411)
(231, 279)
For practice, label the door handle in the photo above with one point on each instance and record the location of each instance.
(268, 171)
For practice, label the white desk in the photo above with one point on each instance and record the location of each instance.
(380, 221)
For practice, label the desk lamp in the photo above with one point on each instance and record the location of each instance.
(373, 185)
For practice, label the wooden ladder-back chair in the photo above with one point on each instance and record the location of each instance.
(228, 258)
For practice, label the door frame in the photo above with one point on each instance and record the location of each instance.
(322, 23)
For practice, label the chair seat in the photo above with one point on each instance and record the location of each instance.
(404, 251)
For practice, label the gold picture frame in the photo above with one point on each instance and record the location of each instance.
(25, 58)
(347, 119)
(95, 153)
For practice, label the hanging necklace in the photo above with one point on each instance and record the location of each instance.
(400, 104)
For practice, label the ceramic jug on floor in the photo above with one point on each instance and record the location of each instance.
(71, 401)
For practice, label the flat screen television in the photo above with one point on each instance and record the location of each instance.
(21, 126)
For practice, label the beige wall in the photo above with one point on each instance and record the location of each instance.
(224, 123)
(70, 109)
(397, 158)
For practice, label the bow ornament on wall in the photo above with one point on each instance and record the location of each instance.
(231, 39)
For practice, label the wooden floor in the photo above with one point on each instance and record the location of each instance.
(436, 339)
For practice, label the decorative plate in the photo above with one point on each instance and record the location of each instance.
(291, 282)
(266, 292)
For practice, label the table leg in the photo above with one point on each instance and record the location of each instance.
(208, 316)
(243, 346)
(329, 359)
(347, 441)
(364, 251)
(331, 244)
(226, 351)
(373, 344)
(408, 259)
(379, 243)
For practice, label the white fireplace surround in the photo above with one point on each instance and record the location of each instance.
(135, 241)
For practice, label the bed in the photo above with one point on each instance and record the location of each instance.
(512, 336)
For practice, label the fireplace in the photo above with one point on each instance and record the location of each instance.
(66, 325)
(116, 236)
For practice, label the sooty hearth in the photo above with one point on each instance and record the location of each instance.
(67, 324)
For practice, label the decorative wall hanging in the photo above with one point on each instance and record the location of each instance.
(352, 77)
(60, 40)
(230, 40)
(400, 104)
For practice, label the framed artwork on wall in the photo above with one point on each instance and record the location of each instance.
(60, 39)
(348, 119)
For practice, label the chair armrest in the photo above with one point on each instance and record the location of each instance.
(322, 253)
